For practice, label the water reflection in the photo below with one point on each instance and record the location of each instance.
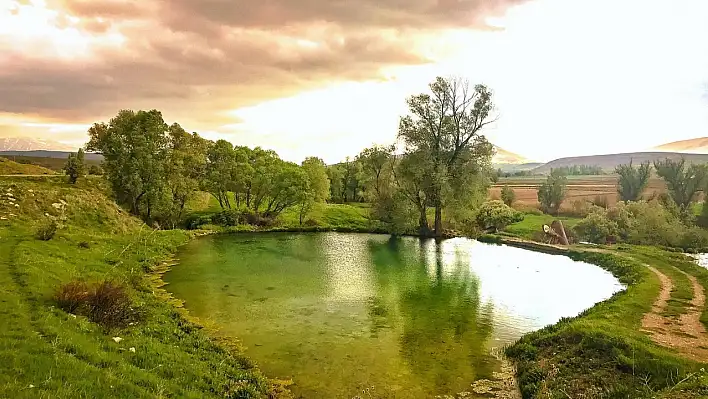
(412, 318)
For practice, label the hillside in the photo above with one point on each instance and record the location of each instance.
(53, 160)
(30, 144)
(503, 156)
(609, 161)
(698, 146)
(8, 167)
(47, 352)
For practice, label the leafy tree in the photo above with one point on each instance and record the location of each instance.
(632, 181)
(683, 182)
(335, 173)
(375, 164)
(75, 166)
(496, 215)
(185, 167)
(220, 172)
(443, 127)
(552, 192)
(317, 187)
(413, 183)
(135, 149)
(508, 195)
(352, 180)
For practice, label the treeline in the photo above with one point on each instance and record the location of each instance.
(155, 169)
(443, 164)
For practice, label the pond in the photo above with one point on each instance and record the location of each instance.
(403, 317)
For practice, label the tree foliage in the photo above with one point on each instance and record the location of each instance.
(508, 196)
(75, 166)
(632, 181)
(443, 129)
(552, 192)
(496, 215)
(682, 181)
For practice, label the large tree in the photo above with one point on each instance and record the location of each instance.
(185, 167)
(317, 185)
(444, 127)
(135, 147)
(682, 181)
(376, 167)
(632, 181)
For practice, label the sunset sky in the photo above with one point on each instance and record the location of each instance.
(330, 77)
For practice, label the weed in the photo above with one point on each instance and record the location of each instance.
(47, 230)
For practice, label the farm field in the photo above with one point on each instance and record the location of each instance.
(579, 188)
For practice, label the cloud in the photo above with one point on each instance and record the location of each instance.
(80, 60)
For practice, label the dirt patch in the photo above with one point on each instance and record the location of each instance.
(686, 335)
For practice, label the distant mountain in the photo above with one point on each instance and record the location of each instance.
(30, 144)
(503, 156)
(696, 146)
(608, 162)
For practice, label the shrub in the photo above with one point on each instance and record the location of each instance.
(95, 170)
(508, 195)
(109, 305)
(106, 303)
(641, 222)
(47, 230)
(580, 208)
(71, 296)
(596, 227)
(601, 201)
(496, 215)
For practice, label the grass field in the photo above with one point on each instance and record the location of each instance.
(579, 188)
(47, 353)
(8, 167)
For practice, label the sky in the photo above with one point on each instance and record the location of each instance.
(330, 77)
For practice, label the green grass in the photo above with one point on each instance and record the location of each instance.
(602, 352)
(8, 167)
(45, 352)
(532, 225)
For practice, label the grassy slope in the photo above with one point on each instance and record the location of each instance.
(8, 167)
(531, 227)
(602, 353)
(44, 352)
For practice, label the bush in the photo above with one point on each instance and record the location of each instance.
(640, 222)
(496, 215)
(47, 230)
(71, 296)
(601, 201)
(106, 303)
(580, 208)
(508, 195)
(596, 227)
(95, 170)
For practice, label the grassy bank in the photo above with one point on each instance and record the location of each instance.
(603, 353)
(46, 352)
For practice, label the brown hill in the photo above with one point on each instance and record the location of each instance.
(698, 146)
(503, 156)
(608, 162)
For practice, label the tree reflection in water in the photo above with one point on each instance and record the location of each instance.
(434, 302)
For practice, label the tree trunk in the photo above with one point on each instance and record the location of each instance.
(423, 230)
(438, 218)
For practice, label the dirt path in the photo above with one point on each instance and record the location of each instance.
(687, 335)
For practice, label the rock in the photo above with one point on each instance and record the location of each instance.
(58, 205)
(132, 349)
(117, 339)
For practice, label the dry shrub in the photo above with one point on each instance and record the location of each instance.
(106, 303)
(72, 296)
(602, 201)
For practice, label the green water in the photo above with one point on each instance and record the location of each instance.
(403, 317)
